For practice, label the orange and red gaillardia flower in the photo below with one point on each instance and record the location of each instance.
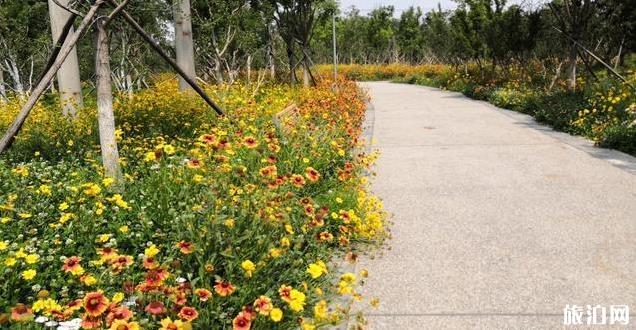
(72, 264)
(285, 292)
(263, 305)
(203, 294)
(241, 322)
(119, 313)
(188, 314)
(95, 304)
(21, 313)
(155, 308)
(120, 263)
(297, 180)
(195, 163)
(250, 142)
(311, 174)
(185, 247)
(224, 288)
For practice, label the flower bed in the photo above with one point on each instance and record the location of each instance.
(221, 223)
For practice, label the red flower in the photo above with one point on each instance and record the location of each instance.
(21, 313)
(241, 322)
(208, 138)
(263, 305)
(250, 312)
(155, 308)
(95, 304)
(120, 263)
(195, 163)
(156, 277)
(223, 288)
(185, 247)
(312, 174)
(72, 264)
(188, 314)
(150, 263)
(297, 180)
(250, 142)
(285, 293)
(107, 253)
(119, 313)
(203, 294)
(91, 323)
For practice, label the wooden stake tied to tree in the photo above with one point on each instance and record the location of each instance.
(106, 119)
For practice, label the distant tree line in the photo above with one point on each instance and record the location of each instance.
(283, 39)
(487, 32)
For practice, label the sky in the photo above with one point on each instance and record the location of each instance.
(366, 6)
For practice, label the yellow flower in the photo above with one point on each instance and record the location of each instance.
(297, 300)
(151, 251)
(249, 267)
(169, 324)
(29, 274)
(92, 189)
(63, 207)
(229, 223)
(123, 324)
(276, 314)
(25, 215)
(20, 254)
(308, 326)
(107, 182)
(317, 269)
(289, 229)
(275, 253)
(118, 297)
(31, 259)
(10, 262)
(89, 280)
(150, 156)
(124, 229)
(3, 245)
(284, 242)
(168, 149)
(45, 190)
(103, 238)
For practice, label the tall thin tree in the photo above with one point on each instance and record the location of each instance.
(183, 40)
(68, 76)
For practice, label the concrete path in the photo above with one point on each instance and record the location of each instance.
(498, 222)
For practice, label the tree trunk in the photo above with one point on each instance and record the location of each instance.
(68, 77)
(3, 91)
(571, 70)
(292, 61)
(183, 41)
(271, 52)
(249, 68)
(306, 78)
(106, 117)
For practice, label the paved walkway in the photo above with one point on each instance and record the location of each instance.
(498, 222)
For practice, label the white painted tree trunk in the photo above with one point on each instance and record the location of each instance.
(106, 117)
(249, 68)
(183, 41)
(68, 78)
(3, 91)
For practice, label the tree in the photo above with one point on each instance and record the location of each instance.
(105, 114)
(409, 35)
(183, 40)
(68, 78)
(23, 40)
(573, 17)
